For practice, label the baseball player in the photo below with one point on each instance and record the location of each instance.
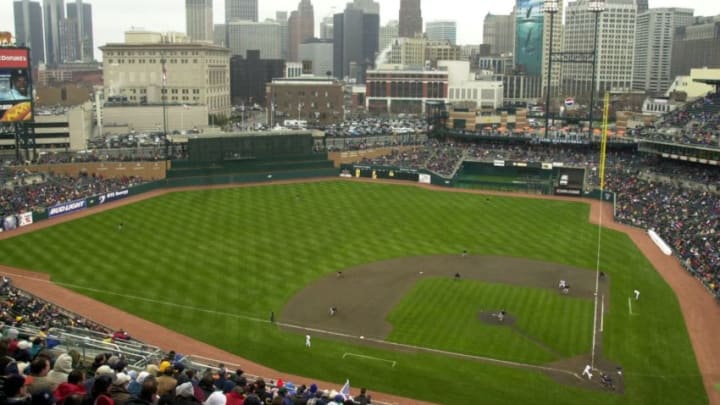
(588, 372)
(307, 341)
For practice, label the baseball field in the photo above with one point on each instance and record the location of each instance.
(213, 264)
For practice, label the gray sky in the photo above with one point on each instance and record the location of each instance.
(111, 18)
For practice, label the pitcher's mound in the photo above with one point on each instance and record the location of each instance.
(492, 318)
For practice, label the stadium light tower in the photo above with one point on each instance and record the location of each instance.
(595, 7)
(551, 8)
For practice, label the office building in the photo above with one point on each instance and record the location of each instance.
(219, 35)
(301, 27)
(246, 35)
(70, 44)
(355, 42)
(241, 10)
(199, 20)
(557, 43)
(29, 29)
(499, 33)
(318, 54)
(53, 13)
(155, 71)
(281, 17)
(326, 28)
(395, 91)
(81, 15)
(410, 18)
(441, 30)
(653, 47)
(615, 49)
(388, 33)
(316, 100)
(696, 46)
(250, 74)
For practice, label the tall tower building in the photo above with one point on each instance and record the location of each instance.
(411, 23)
(653, 47)
(557, 40)
(199, 20)
(441, 30)
(53, 13)
(29, 28)
(355, 41)
(80, 13)
(615, 46)
(281, 17)
(301, 27)
(642, 6)
(241, 10)
(388, 33)
(696, 45)
(326, 28)
(499, 33)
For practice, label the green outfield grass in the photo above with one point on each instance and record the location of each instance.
(207, 263)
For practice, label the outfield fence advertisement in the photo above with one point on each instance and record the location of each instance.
(15, 85)
(66, 208)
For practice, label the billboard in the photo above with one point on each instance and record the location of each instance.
(15, 85)
(529, 27)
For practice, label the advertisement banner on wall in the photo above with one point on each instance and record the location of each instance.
(66, 208)
(529, 27)
(15, 85)
(25, 219)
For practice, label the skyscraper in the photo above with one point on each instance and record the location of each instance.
(410, 18)
(53, 13)
(241, 10)
(199, 20)
(653, 47)
(642, 6)
(80, 14)
(615, 49)
(326, 28)
(499, 33)
(388, 33)
(29, 28)
(355, 42)
(301, 27)
(441, 30)
(696, 45)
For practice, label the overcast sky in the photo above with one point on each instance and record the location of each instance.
(111, 18)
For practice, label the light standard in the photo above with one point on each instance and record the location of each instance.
(596, 7)
(551, 7)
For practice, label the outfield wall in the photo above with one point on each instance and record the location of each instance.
(147, 170)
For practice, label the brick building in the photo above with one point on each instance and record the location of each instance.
(317, 100)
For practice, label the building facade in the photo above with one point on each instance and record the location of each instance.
(199, 20)
(696, 46)
(404, 91)
(388, 33)
(410, 18)
(70, 44)
(80, 14)
(464, 89)
(249, 76)
(499, 33)
(355, 42)
(319, 101)
(168, 73)
(326, 28)
(320, 55)
(441, 30)
(246, 35)
(653, 47)
(301, 27)
(241, 10)
(53, 13)
(29, 28)
(615, 49)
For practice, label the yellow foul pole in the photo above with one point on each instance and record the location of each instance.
(603, 144)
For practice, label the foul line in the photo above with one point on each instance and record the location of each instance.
(602, 313)
(362, 356)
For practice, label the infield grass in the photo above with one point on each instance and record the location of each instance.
(206, 263)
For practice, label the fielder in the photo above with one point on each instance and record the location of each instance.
(588, 372)
(637, 295)
(307, 341)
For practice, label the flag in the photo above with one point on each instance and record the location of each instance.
(345, 390)
(569, 102)
(164, 74)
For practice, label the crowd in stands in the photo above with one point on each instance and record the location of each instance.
(23, 191)
(695, 123)
(34, 370)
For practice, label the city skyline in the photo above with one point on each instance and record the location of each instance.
(469, 22)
